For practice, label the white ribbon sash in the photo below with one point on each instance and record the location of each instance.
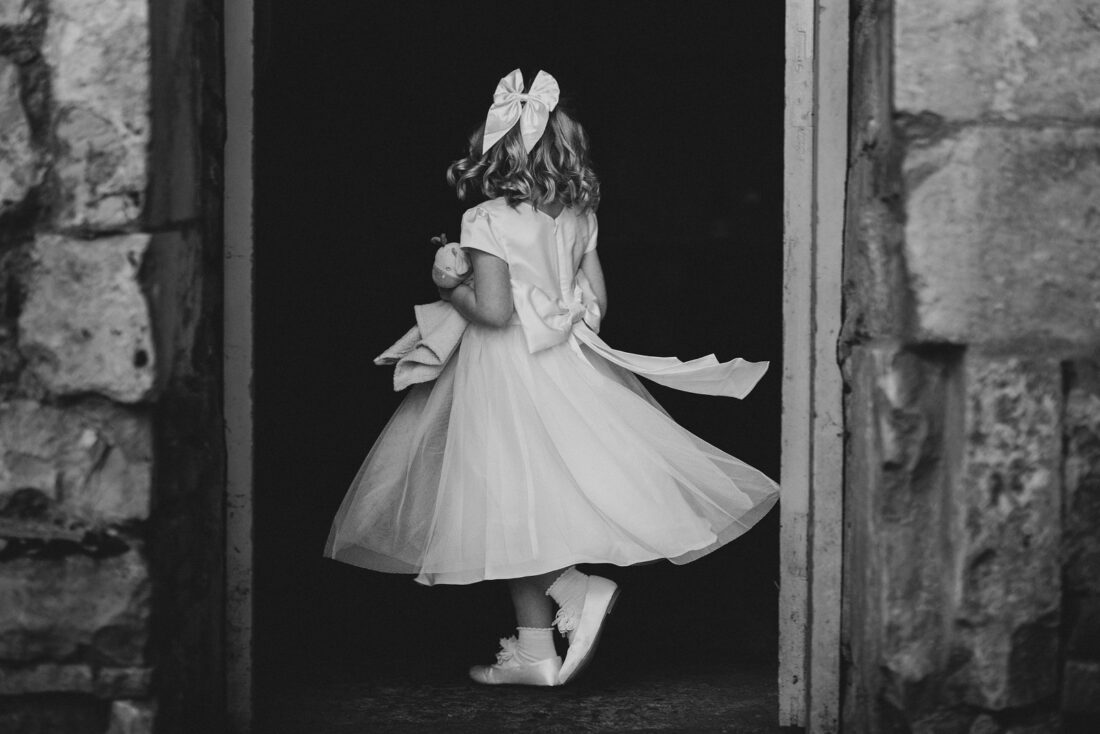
(548, 321)
(705, 375)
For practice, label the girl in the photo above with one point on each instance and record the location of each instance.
(536, 447)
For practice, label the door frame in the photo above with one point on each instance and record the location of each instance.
(811, 474)
(815, 164)
(237, 348)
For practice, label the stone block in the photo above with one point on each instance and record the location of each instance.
(76, 605)
(176, 170)
(15, 12)
(173, 276)
(20, 166)
(92, 461)
(47, 677)
(953, 509)
(1038, 722)
(56, 713)
(85, 325)
(875, 292)
(103, 682)
(903, 416)
(132, 717)
(129, 682)
(1001, 234)
(1007, 533)
(874, 280)
(1081, 687)
(1081, 537)
(973, 59)
(98, 52)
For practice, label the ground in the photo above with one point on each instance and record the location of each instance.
(614, 698)
(689, 648)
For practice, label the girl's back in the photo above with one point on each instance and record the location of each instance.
(541, 250)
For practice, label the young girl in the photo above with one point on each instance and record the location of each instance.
(536, 447)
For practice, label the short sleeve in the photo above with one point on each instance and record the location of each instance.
(477, 233)
(593, 229)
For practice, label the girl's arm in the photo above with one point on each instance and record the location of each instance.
(489, 301)
(590, 265)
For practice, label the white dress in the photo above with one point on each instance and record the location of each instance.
(537, 447)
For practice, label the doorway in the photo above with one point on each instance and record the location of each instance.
(358, 110)
(356, 113)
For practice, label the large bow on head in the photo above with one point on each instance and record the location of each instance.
(511, 105)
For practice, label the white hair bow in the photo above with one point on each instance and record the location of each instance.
(530, 110)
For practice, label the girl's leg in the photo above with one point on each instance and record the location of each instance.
(530, 660)
(584, 602)
(533, 607)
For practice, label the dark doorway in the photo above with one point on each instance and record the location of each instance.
(360, 107)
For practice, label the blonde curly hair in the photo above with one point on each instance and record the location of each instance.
(557, 169)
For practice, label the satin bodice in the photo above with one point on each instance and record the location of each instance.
(544, 255)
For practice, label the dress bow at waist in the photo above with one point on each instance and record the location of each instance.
(547, 320)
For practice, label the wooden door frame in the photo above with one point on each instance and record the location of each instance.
(238, 25)
(815, 165)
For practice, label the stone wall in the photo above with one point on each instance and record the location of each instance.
(971, 350)
(110, 430)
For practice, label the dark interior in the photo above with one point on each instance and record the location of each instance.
(360, 107)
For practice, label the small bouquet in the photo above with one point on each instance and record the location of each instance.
(451, 266)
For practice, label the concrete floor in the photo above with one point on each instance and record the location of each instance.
(632, 698)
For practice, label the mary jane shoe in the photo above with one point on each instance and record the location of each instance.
(583, 629)
(510, 670)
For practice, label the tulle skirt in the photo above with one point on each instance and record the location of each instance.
(514, 464)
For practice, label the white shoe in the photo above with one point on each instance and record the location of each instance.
(509, 670)
(583, 629)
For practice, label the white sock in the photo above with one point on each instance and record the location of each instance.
(568, 590)
(536, 643)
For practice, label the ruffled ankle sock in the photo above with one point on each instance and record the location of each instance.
(535, 643)
(568, 590)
